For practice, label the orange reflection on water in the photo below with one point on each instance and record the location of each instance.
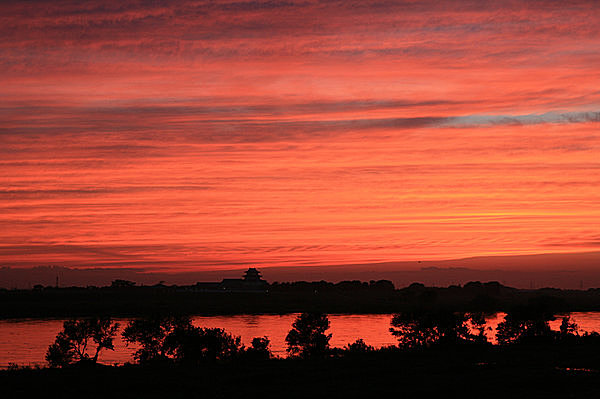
(24, 341)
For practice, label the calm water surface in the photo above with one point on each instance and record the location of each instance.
(24, 341)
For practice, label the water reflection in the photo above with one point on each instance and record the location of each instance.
(24, 341)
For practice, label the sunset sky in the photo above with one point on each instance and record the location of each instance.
(214, 134)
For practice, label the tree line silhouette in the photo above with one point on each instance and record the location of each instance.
(125, 299)
(174, 340)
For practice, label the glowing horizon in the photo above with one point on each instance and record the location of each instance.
(212, 134)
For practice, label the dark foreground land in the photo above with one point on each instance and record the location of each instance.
(344, 297)
(522, 372)
(438, 355)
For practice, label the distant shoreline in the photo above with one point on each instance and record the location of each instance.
(340, 298)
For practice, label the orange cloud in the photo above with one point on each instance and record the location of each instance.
(217, 133)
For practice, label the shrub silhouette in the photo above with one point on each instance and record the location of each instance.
(191, 345)
(479, 326)
(150, 334)
(72, 344)
(176, 339)
(567, 327)
(122, 284)
(307, 337)
(358, 347)
(569, 332)
(424, 329)
(524, 327)
(259, 349)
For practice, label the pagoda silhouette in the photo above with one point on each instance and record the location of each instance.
(252, 281)
(252, 275)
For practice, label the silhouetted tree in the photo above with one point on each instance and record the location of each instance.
(72, 343)
(424, 329)
(307, 337)
(150, 334)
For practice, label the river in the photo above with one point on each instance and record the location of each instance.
(24, 341)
